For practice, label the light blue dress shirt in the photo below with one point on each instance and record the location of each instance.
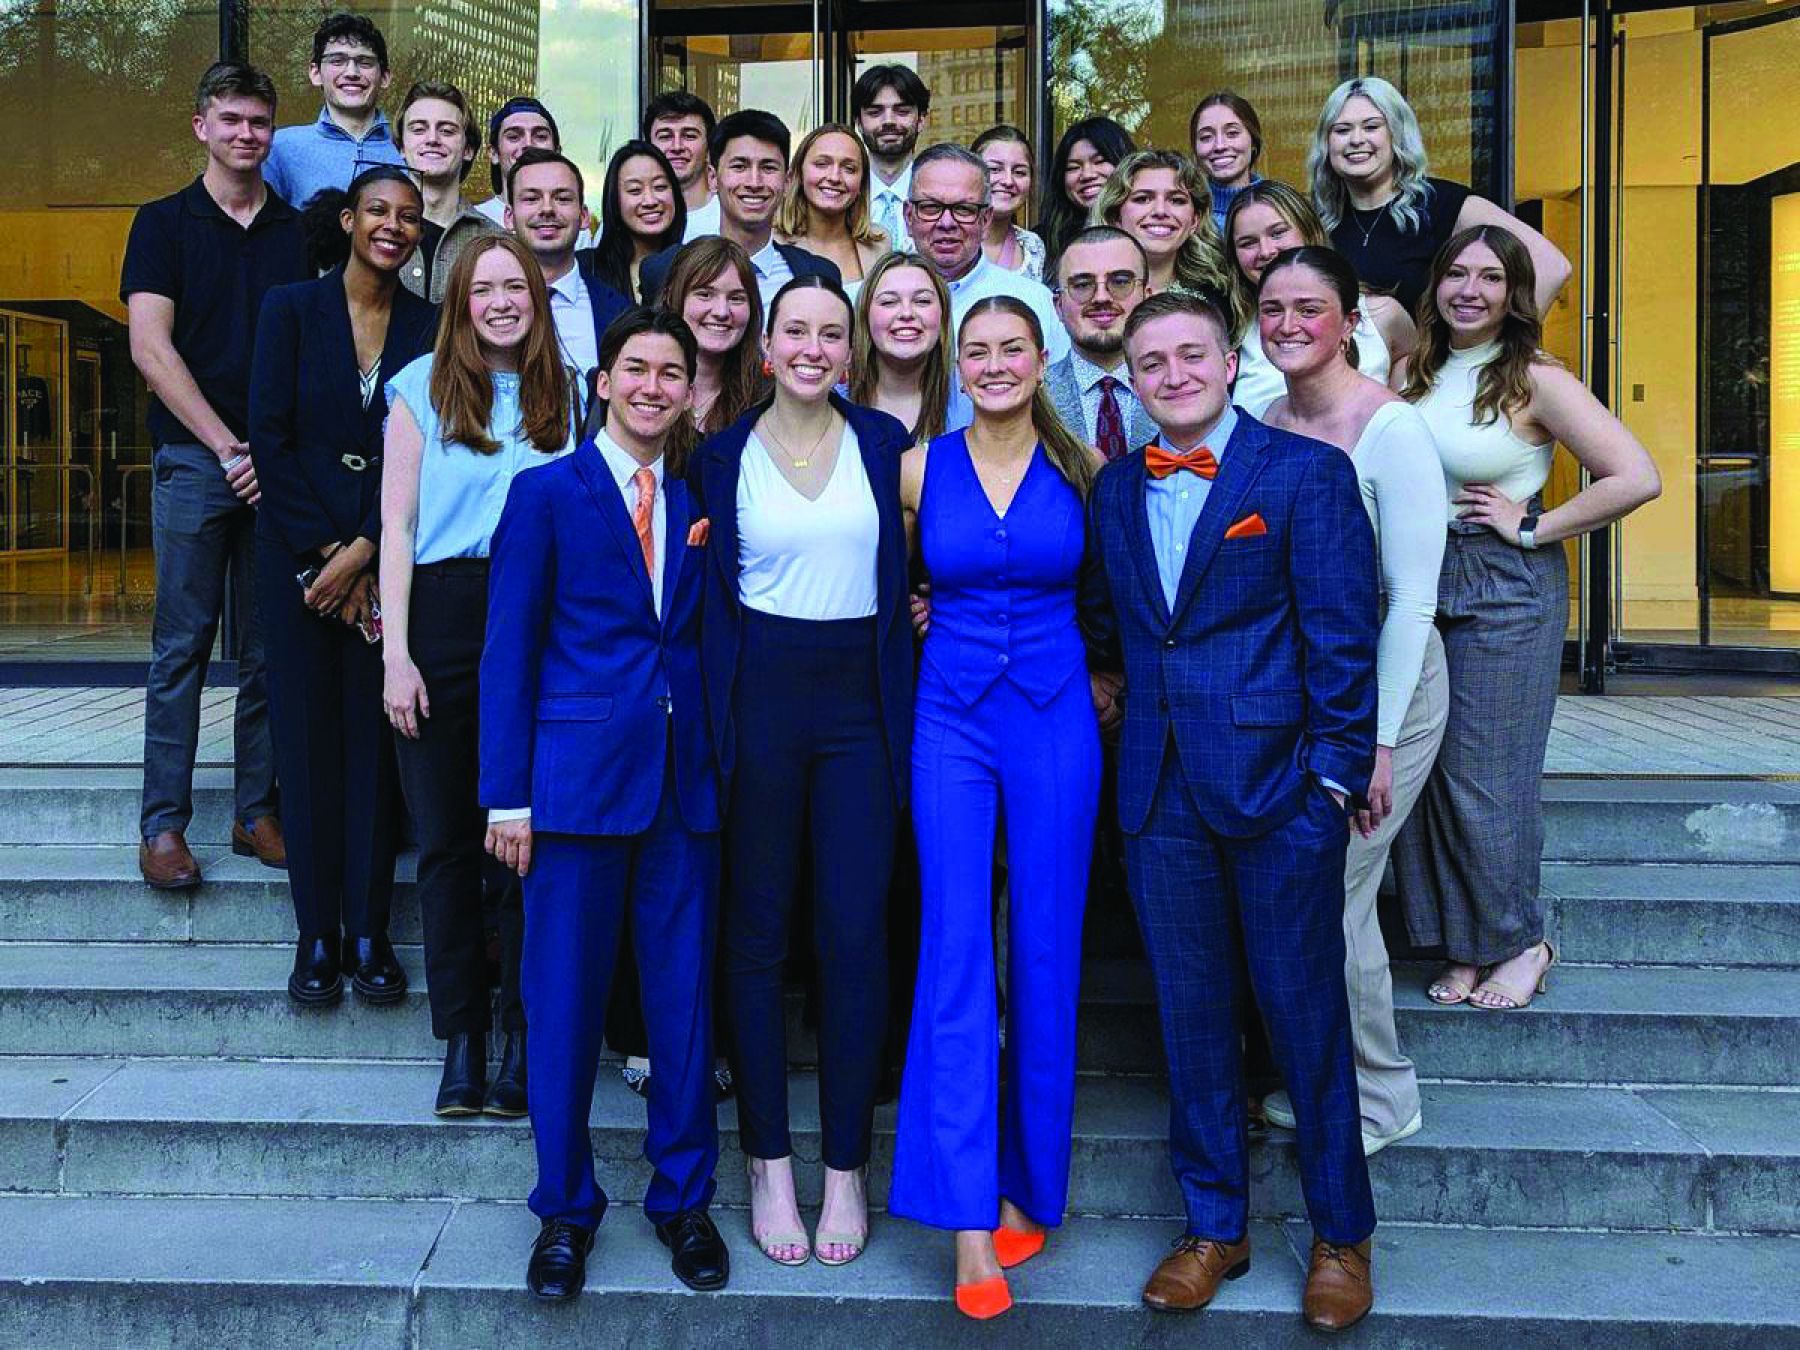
(1174, 505)
(461, 490)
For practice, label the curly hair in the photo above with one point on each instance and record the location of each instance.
(1200, 265)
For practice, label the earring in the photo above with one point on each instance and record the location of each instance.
(768, 367)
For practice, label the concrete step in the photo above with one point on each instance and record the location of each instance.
(1489, 1156)
(147, 1271)
(1716, 914)
(1597, 1025)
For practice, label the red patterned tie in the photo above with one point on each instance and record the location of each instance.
(1110, 425)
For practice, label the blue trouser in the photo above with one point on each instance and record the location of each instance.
(576, 896)
(1282, 894)
(958, 1152)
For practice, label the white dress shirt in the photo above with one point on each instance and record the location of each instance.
(573, 314)
(887, 207)
(772, 272)
(986, 278)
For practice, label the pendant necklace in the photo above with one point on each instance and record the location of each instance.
(805, 461)
(1368, 231)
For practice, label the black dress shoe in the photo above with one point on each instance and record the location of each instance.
(559, 1259)
(378, 979)
(465, 1076)
(316, 982)
(507, 1095)
(700, 1259)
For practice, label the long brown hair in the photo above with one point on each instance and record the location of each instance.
(793, 218)
(462, 384)
(1069, 455)
(1504, 385)
(741, 378)
(1287, 203)
(934, 381)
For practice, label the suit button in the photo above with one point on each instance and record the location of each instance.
(1169, 644)
(662, 702)
(1004, 659)
(1002, 617)
(1000, 535)
(1163, 703)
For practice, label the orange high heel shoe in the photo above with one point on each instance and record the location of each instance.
(988, 1298)
(1015, 1248)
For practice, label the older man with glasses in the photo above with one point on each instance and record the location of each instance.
(946, 216)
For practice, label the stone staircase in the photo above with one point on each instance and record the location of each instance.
(185, 1158)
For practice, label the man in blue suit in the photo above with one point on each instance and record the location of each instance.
(1231, 575)
(602, 788)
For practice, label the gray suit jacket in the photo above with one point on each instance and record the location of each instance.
(1065, 393)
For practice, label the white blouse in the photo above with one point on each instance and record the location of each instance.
(1259, 383)
(1396, 462)
(1492, 453)
(803, 558)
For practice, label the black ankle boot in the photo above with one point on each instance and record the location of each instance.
(465, 1076)
(507, 1096)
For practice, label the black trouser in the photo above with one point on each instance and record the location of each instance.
(440, 773)
(334, 757)
(811, 751)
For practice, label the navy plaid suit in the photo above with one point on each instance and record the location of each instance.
(1256, 683)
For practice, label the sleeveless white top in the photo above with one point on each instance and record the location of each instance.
(1492, 453)
(802, 558)
(1259, 383)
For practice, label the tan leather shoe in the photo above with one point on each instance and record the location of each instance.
(262, 841)
(166, 863)
(1188, 1277)
(1339, 1291)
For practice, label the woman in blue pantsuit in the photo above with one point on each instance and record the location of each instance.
(1004, 727)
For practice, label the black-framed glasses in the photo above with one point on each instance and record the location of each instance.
(931, 211)
(1081, 288)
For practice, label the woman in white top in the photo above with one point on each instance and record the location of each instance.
(826, 206)
(809, 667)
(1264, 220)
(492, 400)
(1307, 308)
(1468, 860)
(1007, 154)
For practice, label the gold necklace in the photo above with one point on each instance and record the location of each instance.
(805, 461)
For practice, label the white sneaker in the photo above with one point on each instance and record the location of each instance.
(1278, 1110)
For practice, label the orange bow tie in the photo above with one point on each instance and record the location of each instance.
(1161, 463)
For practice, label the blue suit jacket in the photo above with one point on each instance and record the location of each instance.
(1264, 672)
(883, 440)
(308, 427)
(579, 671)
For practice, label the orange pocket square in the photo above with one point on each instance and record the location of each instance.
(1248, 528)
(699, 532)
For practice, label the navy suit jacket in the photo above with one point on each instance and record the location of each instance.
(308, 428)
(1264, 671)
(580, 676)
(883, 440)
(654, 270)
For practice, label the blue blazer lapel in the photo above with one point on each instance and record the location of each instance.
(598, 480)
(1137, 532)
(675, 526)
(1240, 465)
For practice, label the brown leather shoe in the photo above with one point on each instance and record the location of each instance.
(166, 863)
(262, 841)
(1339, 1291)
(1188, 1278)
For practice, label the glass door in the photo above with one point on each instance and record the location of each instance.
(738, 55)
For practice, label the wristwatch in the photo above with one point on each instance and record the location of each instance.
(1528, 532)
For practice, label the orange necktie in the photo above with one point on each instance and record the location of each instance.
(645, 482)
(1160, 463)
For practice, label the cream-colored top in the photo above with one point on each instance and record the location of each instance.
(1259, 383)
(801, 557)
(1492, 453)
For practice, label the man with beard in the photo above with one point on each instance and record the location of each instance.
(681, 125)
(892, 106)
(545, 192)
(1100, 279)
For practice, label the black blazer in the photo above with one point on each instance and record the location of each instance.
(654, 270)
(714, 478)
(317, 450)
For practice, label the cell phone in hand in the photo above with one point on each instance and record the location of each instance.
(307, 578)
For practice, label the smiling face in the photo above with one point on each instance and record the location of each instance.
(499, 301)
(1009, 175)
(1098, 285)
(646, 390)
(1358, 145)
(519, 133)
(751, 174)
(1258, 234)
(1085, 173)
(236, 131)
(905, 318)
(1181, 369)
(809, 347)
(1472, 296)
(384, 228)
(954, 189)
(1223, 146)
(1000, 362)
(1159, 213)
(831, 174)
(350, 77)
(545, 212)
(718, 310)
(1302, 321)
(434, 140)
(890, 125)
(683, 141)
(646, 197)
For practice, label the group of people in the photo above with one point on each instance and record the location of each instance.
(805, 515)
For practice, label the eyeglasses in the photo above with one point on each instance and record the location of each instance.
(929, 211)
(1081, 288)
(343, 61)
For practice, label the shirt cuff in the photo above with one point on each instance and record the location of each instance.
(500, 814)
(1330, 784)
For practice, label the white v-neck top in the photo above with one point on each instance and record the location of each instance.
(801, 558)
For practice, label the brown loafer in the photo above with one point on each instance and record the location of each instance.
(1339, 1290)
(261, 840)
(166, 863)
(1188, 1277)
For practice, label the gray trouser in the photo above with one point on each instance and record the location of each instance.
(1385, 1081)
(202, 532)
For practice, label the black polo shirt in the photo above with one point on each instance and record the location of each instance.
(217, 272)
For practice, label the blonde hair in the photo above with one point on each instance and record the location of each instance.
(1200, 265)
(793, 218)
(934, 382)
(1411, 191)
